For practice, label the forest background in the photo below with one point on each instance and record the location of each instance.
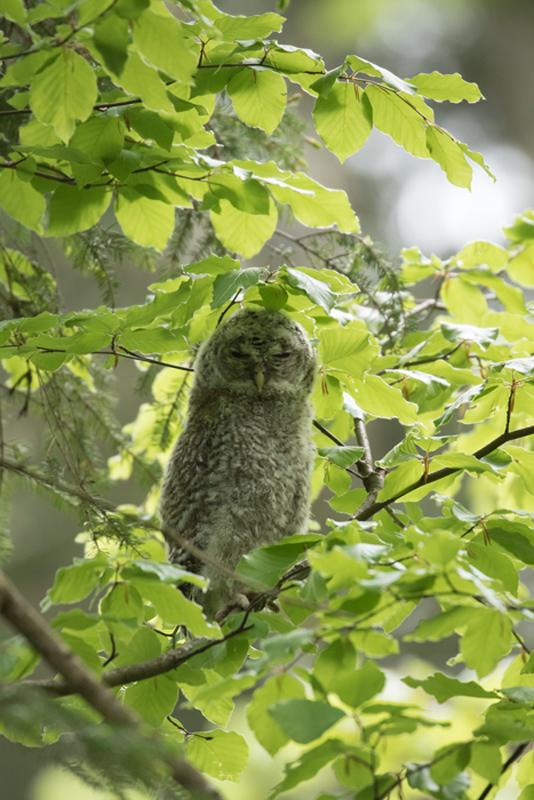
(401, 202)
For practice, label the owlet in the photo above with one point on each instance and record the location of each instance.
(239, 474)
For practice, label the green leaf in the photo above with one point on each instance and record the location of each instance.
(476, 253)
(75, 620)
(268, 563)
(376, 397)
(399, 119)
(77, 581)
(171, 605)
(63, 92)
(141, 80)
(469, 333)
(161, 38)
(212, 265)
(221, 754)
(463, 300)
(15, 11)
(144, 645)
(111, 40)
(255, 26)
(84, 650)
(363, 684)
(513, 537)
(445, 151)
(274, 296)
(149, 125)
(316, 290)
(444, 688)
(102, 138)
(246, 195)
(153, 340)
(312, 203)
(507, 722)
(226, 285)
(362, 65)
(522, 231)
(524, 695)
(343, 119)
(122, 602)
(215, 700)
(160, 571)
(440, 87)
(449, 761)
(325, 83)
(309, 764)
(240, 231)
(347, 350)
(147, 222)
(259, 98)
(268, 733)
(493, 562)
(341, 456)
(442, 625)
(487, 639)
(73, 210)
(20, 200)
(305, 720)
(338, 657)
(453, 790)
(486, 761)
(130, 9)
(154, 699)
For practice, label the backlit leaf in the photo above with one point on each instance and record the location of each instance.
(343, 119)
(259, 98)
(63, 92)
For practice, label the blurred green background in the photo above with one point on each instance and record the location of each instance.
(401, 202)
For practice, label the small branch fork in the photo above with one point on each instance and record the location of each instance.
(432, 477)
(373, 479)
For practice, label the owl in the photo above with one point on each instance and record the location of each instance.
(239, 474)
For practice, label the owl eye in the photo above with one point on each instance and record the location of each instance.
(238, 354)
(285, 354)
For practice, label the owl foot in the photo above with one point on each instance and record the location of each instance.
(251, 601)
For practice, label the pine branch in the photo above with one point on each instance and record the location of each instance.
(99, 504)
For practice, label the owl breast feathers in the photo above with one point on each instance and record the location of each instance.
(239, 474)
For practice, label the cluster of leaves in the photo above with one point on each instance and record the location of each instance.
(117, 105)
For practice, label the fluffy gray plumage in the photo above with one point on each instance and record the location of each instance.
(239, 474)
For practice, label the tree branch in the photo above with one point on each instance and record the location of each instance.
(23, 617)
(373, 479)
(126, 354)
(17, 611)
(144, 669)
(432, 477)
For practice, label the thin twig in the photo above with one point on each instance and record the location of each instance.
(373, 478)
(516, 755)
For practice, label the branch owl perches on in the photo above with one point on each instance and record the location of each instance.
(239, 474)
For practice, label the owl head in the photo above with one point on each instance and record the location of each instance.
(257, 353)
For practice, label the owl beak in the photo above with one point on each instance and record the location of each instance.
(259, 376)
